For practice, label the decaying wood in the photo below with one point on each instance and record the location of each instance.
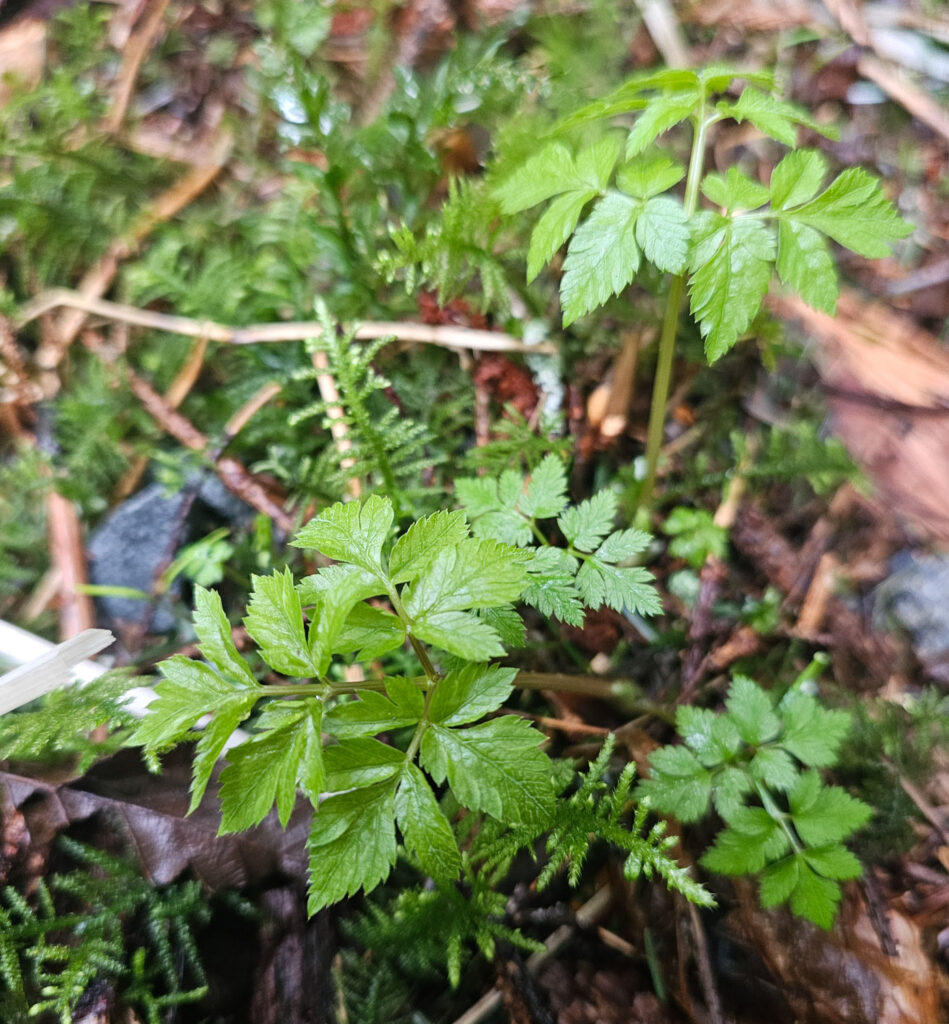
(135, 51)
(755, 536)
(76, 612)
(177, 392)
(894, 81)
(888, 389)
(608, 404)
(233, 474)
(842, 976)
(334, 413)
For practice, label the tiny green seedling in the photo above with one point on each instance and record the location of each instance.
(758, 766)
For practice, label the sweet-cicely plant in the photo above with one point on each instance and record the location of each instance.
(722, 253)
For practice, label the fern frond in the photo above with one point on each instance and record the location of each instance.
(373, 441)
(61, 727)
(105, 895)
(454, 250)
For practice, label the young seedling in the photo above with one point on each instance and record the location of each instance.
(722, 255)
(758, 766)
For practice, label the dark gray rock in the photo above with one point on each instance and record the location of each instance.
(131, 548)
(914, 600)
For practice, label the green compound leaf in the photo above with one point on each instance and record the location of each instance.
(731, 270)
(662, 232)
(352, 844)
(751, 711)
(507, 623)
(730, 786)
(806, 265)
(267, 768)
(664, 112)
(696, 535)
(555, 170)
(718, 77)
(773, 116)
(492, 506)
(419, 546)
(833, 815)
(602, 258)
(469, 693)
(649, 175)
(713, 738)
(551, 587)
(369, 631)
(472, 574)
(585, 525)
(753, 839)
(734, 190)
(834, 861)
(188, 691)
(546, 493)
(463, 634)
(425, 829)
(628, 97)
(554, 228)
(774, 767)
(216, 642)
(814, 897)
(332, 594)
(632, 588)
(351, 531)
(853, 211)
(357, 763)
(275, 621)
(778, 881)
(496, 767)
(797, 178)
(373, 713)
(811, 733)
(678, 783)
(623, 544)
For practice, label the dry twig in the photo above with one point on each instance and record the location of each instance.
(97, 279)
(233, 474)
(443, 335)
(136, 50)
(68, 558)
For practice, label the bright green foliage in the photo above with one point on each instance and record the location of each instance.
(695, 535)
(60, 727)
(730, 253)
(80, 927)
(446, 589)
(757, 764)
(434, 927)
(562, 581)
(383, 446)
(453, 250)
(595, 810)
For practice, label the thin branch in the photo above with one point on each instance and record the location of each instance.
(97, 280)
(136, 50)
(443, 335)
(233, 474)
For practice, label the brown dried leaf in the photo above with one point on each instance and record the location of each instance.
(889, 385)
(146, 813)
(842, 976)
